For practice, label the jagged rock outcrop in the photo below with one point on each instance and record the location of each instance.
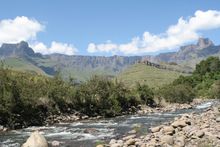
(202, 49)
(21, 49)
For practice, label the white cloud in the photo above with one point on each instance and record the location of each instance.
(18, 29)
(56, 47)
(186, 30)
(25, 29)
(106, 47)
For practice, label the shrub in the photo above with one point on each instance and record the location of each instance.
(215, 90)
(145, 94)
(210, 65)
(177, 94)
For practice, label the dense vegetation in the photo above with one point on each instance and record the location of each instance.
(204, 82)
(27, 99)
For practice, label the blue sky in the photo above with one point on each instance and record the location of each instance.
(107, 24)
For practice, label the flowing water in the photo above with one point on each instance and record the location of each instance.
(89, 133)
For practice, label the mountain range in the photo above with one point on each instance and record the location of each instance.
(190, 55)
(22, 57)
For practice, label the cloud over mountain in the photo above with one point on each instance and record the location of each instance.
(56, 47)
(186, 30)
(23, 28)
(18, 29)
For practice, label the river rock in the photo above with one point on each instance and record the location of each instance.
(179, 123)
(5, 129)
(218, 119)
(35, 140)
(180, 141)
(85, 117)
(90, 130)
(130, 142)
(1, 128)
(167, 139)
(100, 145)
(132, 132)
(155, 129)
(168, 130)
(199, 134)
(55, 143)
(116, 145)
(128, 137)
(204, 126)
(120, 141)
(112, 141)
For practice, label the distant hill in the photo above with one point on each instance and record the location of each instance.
(146, 74)
(191, 54)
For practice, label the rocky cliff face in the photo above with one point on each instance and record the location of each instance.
(79, 66)
(202, 49)
(76, 65)
(21, 49)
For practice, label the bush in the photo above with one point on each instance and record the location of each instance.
(215, 90)
(101, 96)
(177, 94)
(210, 65)
(145, 94)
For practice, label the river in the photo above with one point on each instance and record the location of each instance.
(89, 133)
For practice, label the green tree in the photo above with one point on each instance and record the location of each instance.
(210, 65)
(145, 94)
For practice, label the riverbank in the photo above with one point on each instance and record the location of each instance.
(88, 133)
(141, 110)
(190, 130)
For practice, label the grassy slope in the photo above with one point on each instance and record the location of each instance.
(144, 74)
(20, 64)
(82, 74)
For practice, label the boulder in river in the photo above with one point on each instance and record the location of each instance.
(36, 140)
(1, 128)
(55, 143)
(90, 130)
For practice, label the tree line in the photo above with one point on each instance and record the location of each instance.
(204, 82)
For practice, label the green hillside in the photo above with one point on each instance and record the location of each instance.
(149, 75)
(23, 65)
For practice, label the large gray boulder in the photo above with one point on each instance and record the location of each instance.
(36, 140)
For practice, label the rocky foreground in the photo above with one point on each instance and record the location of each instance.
(199, 130)
(189, 130)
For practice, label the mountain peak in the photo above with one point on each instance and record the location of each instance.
(22, 44)
(20, 49)
(204, 42)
